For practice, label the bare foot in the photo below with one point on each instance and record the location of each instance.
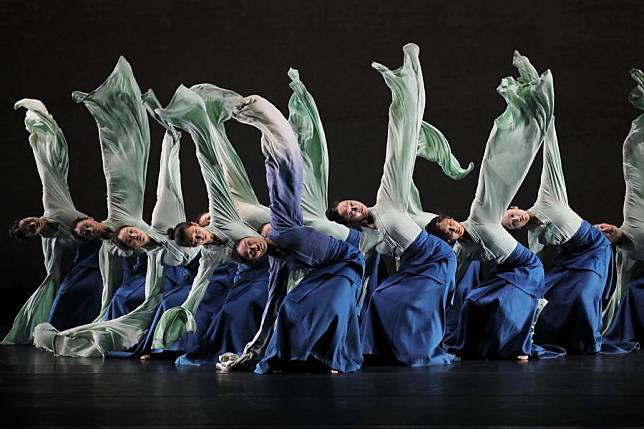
(145, 357)
(333, 371)
(522, 358)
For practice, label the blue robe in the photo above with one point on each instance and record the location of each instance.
(78, 297)
(405, 320)
(317, 322)
(231, 328)
(627, 328)
(496, 318)
(574, 286)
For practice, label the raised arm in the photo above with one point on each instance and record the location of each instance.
(220, 104)
(307, 125)
(283, 160)
(405, 117)
(169, 209)
(124, 135)
(50, 152)
(187, 111)
(514, 141)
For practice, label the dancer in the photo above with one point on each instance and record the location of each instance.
(239, 318)
(227, 237)
(120, 114)
(622, 318)
(315, 324)
(497, 315)
(69, 298)
(575, 282)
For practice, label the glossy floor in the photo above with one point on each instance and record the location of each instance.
(40, 390)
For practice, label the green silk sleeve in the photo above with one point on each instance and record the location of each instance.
(124, 135)
(220, 104)
(307, 125)
(405, 117)
(49, 146)
(187, 111)
(177, 321)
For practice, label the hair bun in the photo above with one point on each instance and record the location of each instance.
(170, 233)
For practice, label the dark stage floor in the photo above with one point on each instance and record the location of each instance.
(40, 390)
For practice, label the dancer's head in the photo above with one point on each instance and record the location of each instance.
(131, 238)
(348, 212)
(191, 234)
(613, 233)
(25, 228)
(250, 249)
(88, 228)
(515, 218)
(446, 228)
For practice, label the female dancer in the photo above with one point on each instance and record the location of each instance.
(623, 315)
(315, 324)
(120, 114)
(497, 315)
(238, 320)
(64, 299)
(575, 282)
(227, 237)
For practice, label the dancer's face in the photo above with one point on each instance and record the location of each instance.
(251, 248)
(611, 232)
(31, 226)
(451, 229)
(88, 228)
(515, 218)
(197, 235)
(352, 210)
(133, 237)
(204, 219)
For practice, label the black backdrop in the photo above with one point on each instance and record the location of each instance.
(51, 48)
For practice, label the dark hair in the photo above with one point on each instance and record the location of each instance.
(199, 216)
(105, 235)
(433, 229)
(333, 215)
(178, 233)
(16, 233)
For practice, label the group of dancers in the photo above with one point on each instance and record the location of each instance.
(301, 285)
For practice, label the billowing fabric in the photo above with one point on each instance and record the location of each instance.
(497, 316)
(52, 161)
(472, 276)
(317, 320)
(120, 112)
(78, 298)
(573, 288)
(631, 251)
(131, 292)
(405, 319)
(235, 324)
(511, 148)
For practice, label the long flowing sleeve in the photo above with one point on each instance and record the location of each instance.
(307, 125)
(631, 251)
(559, 221)
(405, 117)
(510, 150)
(220, 104)
(434, 147)
(177, 321)
(124, 135)
(36, 309)
(49, 146)
(187, 111)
